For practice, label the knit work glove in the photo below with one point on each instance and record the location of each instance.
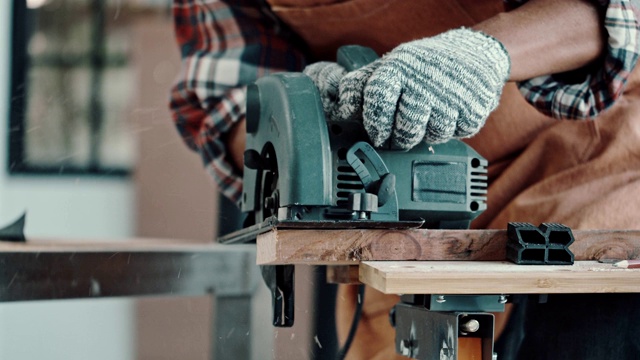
(433, 89)
(327, 75)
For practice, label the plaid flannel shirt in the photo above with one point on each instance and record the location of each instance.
(225, 45)
(561, 97)
(228, 44)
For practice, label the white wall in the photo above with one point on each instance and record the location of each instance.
(62, 207)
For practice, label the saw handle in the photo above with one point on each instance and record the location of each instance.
(353, 57)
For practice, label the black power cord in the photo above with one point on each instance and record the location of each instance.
(354, 325)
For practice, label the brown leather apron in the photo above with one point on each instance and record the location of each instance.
(584, 174)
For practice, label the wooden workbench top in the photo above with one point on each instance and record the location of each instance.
(114, 245)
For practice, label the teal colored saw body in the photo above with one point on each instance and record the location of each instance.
(300, 166)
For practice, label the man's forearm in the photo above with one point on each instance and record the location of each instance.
(548, 36)
(542, 37)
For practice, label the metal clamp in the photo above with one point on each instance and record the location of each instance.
(431, 326)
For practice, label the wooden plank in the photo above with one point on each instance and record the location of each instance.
(496, 277)
(343, 247)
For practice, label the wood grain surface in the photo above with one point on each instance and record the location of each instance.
(492, 277)
(343, 247)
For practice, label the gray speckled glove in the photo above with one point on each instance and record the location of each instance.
(433, 89)
(327, 75)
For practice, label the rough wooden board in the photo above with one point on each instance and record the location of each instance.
(496, 277)
(342, 247)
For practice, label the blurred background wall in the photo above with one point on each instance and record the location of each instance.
(166, 195)
(137, 180)
(63, 207)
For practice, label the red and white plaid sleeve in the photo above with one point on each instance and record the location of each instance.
(225, 45)
(557, 96)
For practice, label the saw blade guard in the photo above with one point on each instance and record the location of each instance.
(284, 113)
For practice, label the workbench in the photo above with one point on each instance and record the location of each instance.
(454, 261)
(455, 279)
(56, 270)
(392, 261)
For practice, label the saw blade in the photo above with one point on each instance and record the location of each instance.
(249, 234)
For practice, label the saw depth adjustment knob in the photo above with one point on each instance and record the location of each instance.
(363, 203)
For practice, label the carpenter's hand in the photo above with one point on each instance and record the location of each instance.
(327, 76)
(433, 89)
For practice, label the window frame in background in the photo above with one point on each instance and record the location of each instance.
(20, 65)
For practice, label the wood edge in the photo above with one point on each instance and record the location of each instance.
(267, 248)
(370, 276)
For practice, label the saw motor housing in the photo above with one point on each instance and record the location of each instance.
(300, 166)
(302, 170)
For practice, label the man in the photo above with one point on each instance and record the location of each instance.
(449, 70)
